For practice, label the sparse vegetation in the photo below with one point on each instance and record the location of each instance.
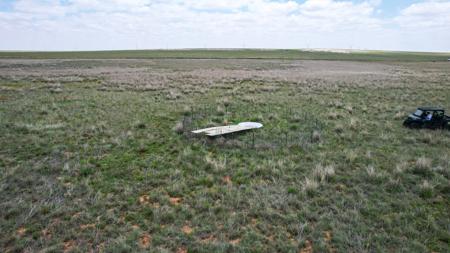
(96, 155)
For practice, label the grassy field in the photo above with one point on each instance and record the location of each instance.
(234, 54)
(96, 155)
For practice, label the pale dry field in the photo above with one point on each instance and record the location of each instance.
(199, 76)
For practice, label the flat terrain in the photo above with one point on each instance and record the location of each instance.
(95, 154)
(291, 54)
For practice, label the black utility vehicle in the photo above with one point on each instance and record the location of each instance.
(428, 117)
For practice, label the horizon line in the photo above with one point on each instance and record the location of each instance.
(329, 50)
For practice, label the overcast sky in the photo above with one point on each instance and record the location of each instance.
(422, 25)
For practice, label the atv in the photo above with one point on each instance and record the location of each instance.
(428, 117)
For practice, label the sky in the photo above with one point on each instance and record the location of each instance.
(56, 25)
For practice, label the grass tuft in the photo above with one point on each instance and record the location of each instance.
(178, 128)
(426, 189)
(423, 166)
(322, 174)
(310, 185)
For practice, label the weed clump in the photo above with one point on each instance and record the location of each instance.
(173, 95)
(333, 115)
(315, 136)
(56, 90)
(322, 174)
(339, 128)
(178, 128)
(187, 110)
(371, 171)
(349, 109)
(426, 189)
(423, 166)
(399, 115)
(310, 185)
(400, 168)
(351, 156)
(354, 124)
(139, 125)
(220, 110)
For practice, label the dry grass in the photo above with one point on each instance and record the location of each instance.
(322, 174)
(178, 128)
(316, 136)
(423, 163)
(310, 185)
(371, 172)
